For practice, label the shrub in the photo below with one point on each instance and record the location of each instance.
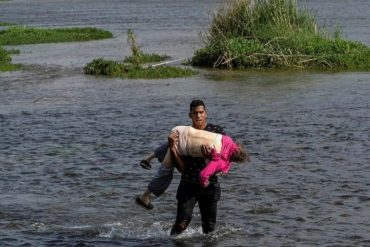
(275, 33)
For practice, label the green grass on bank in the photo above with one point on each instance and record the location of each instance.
(18, 35)
(133, 67)
(275, 34)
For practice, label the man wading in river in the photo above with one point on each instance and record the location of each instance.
(190, 191)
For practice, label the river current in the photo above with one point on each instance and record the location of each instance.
(70, 143)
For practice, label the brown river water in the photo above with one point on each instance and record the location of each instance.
(70, 143)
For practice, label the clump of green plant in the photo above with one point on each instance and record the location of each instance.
(132, 66)
(19, 35)
(4, 56)
(112, 68)
(5, 61)
(275, 34)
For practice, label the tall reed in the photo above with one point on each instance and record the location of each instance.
(137, 55)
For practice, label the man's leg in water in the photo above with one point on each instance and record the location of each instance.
(208, 212)
(184, 215)
(207, 200)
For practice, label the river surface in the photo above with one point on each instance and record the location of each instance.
(70, 143)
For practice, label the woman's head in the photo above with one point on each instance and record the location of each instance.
(240, 154)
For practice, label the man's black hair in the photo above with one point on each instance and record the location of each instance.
(196, 103)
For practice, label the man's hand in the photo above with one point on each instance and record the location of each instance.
(173, 141)
(206, 151)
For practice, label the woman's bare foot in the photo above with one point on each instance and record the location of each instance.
(141, 203)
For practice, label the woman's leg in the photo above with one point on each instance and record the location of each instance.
(161, 181)
(145, 197)
(160, 152)
(159, 184)
(167, 160)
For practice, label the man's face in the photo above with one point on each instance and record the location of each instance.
(198, 116)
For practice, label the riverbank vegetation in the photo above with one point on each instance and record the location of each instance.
(134, 67)
(20, 35)
(275, 34)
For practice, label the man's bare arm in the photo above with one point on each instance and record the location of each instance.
(175, 154)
